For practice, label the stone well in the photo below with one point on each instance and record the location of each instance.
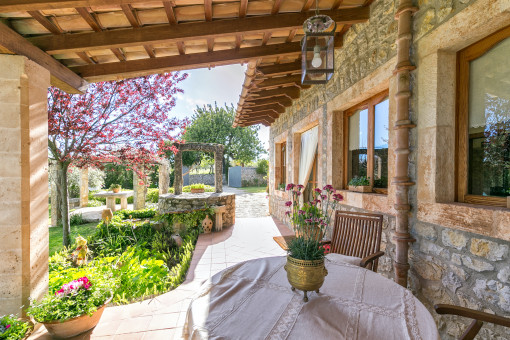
(185, 202)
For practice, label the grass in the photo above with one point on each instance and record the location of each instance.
(253, 190)
(84, 230)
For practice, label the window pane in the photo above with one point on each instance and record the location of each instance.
(489, 123)
(358, 142)
(381, 144)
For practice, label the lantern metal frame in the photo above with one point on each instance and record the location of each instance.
(321, 30)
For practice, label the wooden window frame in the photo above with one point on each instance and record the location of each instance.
(464, 57)
(283, 164)
(369, 104)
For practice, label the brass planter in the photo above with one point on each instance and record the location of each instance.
(305, 275)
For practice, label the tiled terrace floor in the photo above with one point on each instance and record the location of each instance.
(163, 317)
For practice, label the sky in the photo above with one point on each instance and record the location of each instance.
(221, 84)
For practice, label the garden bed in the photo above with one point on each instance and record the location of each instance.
(141, 260)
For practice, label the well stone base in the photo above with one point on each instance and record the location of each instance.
(184, 202)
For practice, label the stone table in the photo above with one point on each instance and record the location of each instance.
(111, 196)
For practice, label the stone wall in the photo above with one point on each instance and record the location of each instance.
(461, 253)
(250, 177)
(186, 202)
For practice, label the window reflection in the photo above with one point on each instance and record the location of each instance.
(489, 123)
(358, 143)
(381, 144)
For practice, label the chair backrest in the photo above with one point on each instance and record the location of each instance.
(357, 234)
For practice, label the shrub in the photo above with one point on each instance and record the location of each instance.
(115, 186)
(207, 188)
(143, 213)
(94, 203)
(76, 219)
(245, 183)
(197, 186)
(153, 195)
(13, 329)
(262, 167)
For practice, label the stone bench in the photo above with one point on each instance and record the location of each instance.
(218, 212)
(111, 196)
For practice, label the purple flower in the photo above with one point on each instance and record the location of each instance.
(338, 197)
(290, 186)
(324, 197)
(298, 193)
(317, 190)
(329, 188)
(288, 203)
(299, 186)
(287, 213)
(308, 220)
(301, 212)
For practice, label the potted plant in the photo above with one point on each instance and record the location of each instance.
(73, 309)
(360, 184)
(12, 328)
(305, 259)
(115, 188)
(197, 188)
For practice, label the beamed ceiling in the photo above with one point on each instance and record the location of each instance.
(82, 41)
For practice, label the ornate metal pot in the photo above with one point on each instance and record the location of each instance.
(305, 275)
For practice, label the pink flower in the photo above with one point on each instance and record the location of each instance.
(299, 186)
(8, 326)
(317, 190)
(338, 197)
(290, 186)
(288, 203)
(324, 197)
(328, 188)
(287, 213)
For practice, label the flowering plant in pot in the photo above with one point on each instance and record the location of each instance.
(115, 188)
(75, 308)
(305, 260)
(12, 328)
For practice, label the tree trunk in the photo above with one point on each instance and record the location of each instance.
(63, 196)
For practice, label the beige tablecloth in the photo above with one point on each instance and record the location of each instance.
(253, 300)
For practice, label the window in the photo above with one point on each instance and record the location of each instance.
(366, 127)
(483, 121)
(281, 165)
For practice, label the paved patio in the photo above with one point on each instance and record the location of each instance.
(163, 317)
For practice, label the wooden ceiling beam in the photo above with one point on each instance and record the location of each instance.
(293, 92)
(276, 7)
(169, 9)
(280, 69)
(259, 121)
(243, 8)
(200, 30)
(134, 68)
(37, 5)
(130, 15)
(281, 100)
(85, 14)
(208, 10)
(251, 115)
(61, 76)
(280, 81)
(47, 23)
(269, 107)
(267, 118)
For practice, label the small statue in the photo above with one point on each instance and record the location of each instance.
(81, 251)
(207, 224)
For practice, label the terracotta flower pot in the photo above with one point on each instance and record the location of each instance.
(197, 191)
(116, 190)
(72, 327)
(360, 188)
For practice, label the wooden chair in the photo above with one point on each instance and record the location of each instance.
(358, 235)
(478, 319)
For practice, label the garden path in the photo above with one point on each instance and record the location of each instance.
(249, 204)
(163, 317)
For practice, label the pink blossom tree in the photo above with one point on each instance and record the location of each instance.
(124, 122)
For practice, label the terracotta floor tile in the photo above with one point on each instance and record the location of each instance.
(134, 325)
(163, 321)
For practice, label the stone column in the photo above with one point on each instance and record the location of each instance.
(84, 188)
(164, 177)
(178, 173)
(54, 195)
(140, 190)
(24, 182)
(218, 166)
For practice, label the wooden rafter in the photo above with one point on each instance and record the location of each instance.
(337, 4)
(269, 107)
(280, 81)
(292, 92)
(169, 9)
(128, 12)
(37, 5)
(132, 68)
(259, 114)
(200, 30)
(208, 10)
(308, 4)
(47, 23)
(276, 7)
(61, 76)
(243, 8)
(280, 69)
(281, 100)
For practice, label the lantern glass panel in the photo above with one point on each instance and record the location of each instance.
(317, 58)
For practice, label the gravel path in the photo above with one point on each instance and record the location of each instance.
(248, 204)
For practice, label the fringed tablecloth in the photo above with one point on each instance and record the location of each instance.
(253, 300)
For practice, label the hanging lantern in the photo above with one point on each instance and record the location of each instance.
(318, 50)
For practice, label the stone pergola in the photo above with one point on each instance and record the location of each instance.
(204, 147)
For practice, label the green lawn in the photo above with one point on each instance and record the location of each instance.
(84, 230)
(253, 190)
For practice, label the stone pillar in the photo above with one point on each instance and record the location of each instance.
(218, 166)
(164, 177)
(140, 190)
(178, 173)
(54, 195)
(84, 188)
(24, 182)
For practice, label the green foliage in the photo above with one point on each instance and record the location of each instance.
(77, 219)
(262, 167)
(153, 195)
(359, 181)
(84, 230)
(115, 186)
(306, 249)
(189, 219)
(207, 188)
(94, 203)
(17, 328)
(381, 182)
(118, 174)
(197, 186)
(83, 301)
(245, 183)
(281, 186)
(213, 124)
(143, 213)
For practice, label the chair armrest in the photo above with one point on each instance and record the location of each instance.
(472, 314)
(370, 258)
(324, 242)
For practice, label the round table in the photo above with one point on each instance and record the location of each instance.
(253, 300)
